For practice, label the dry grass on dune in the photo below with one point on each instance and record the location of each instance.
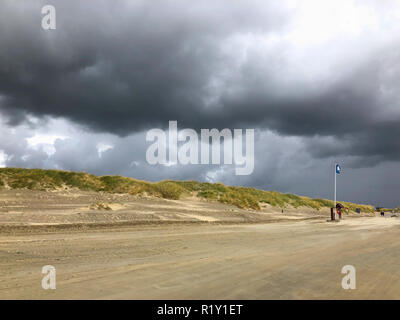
(242, 197)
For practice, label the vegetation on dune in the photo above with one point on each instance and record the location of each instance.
(245, 198)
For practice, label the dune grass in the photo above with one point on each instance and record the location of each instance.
(242, 197)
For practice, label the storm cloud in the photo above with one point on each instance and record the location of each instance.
(318, 81)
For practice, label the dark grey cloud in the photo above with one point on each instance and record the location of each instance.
(117, 67)
(324, 85)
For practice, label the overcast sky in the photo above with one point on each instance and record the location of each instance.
(317, 80)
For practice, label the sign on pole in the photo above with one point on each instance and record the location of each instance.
(337, 171)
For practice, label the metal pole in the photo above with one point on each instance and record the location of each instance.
(334, 172)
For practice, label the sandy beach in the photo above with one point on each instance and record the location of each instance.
(189, 249)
